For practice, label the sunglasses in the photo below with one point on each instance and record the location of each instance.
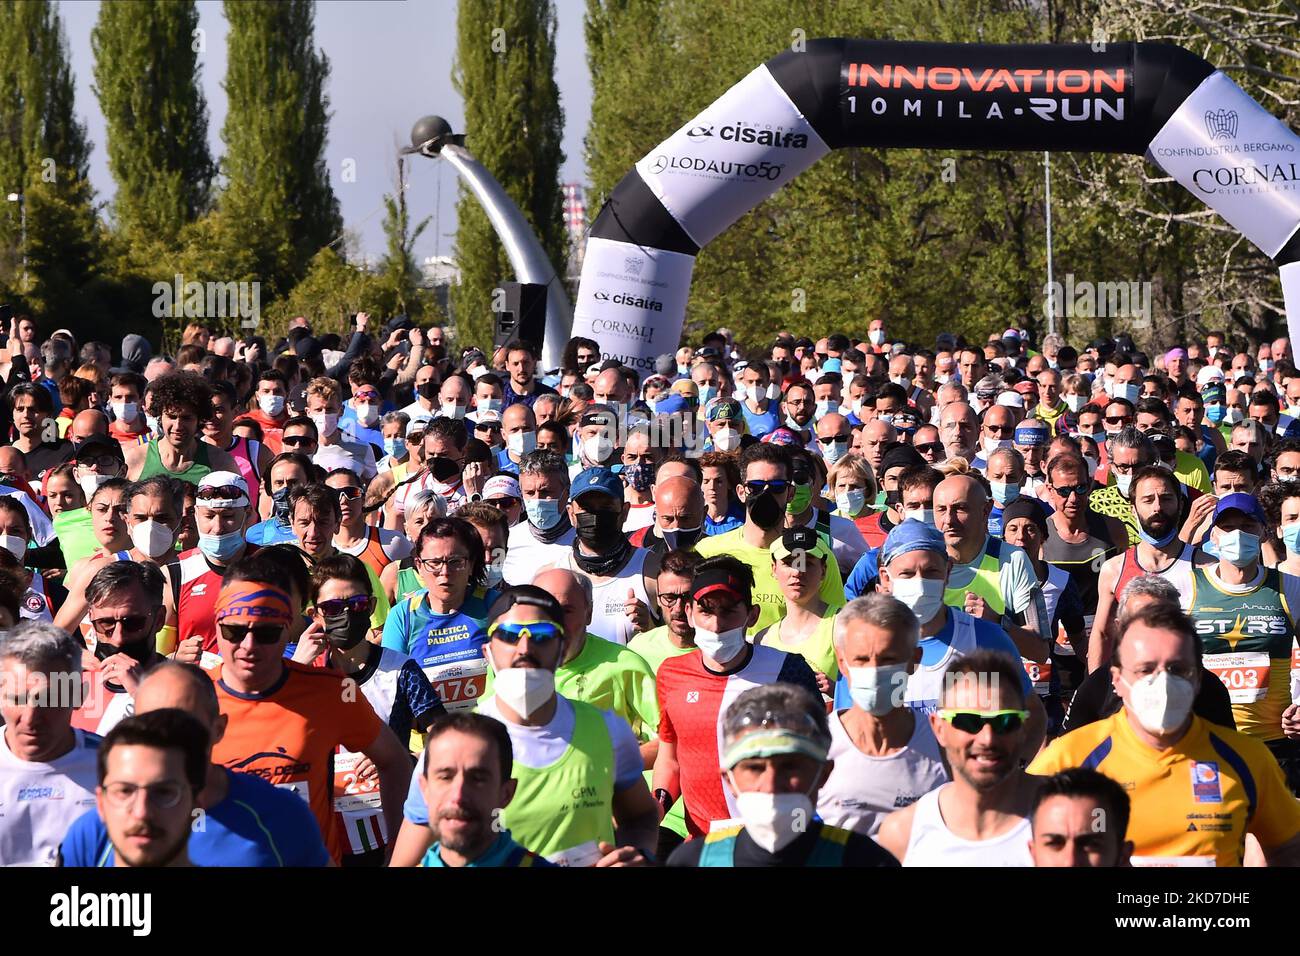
(757, 487)
(1066, 490)
(262, 633)
(361, 603)
(350, 493)
(929, 447)
(222, 492)
(829, 439)
(537, 632)
(294, 441)
(973, 721)
(1117, 419)
(501, 504)
(104, 626)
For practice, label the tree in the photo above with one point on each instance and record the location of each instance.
(44, 154)
(505, 73)
(147, 81)
(278, 189)
(400, 270)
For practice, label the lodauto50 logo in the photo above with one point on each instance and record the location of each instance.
(716, 168)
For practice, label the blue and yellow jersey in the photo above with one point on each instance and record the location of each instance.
(1193, 803)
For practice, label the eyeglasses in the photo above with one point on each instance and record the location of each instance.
(262, 633)
(929, 447)
(434, 565)
(105, 626)
(361, 603)
(757, 487)
(223, 492)
(671, 599)
(350, 493)
(973, 721)
(294, 441)
(161, 796)
(537, 632)
(834, 438)
(1066, 490)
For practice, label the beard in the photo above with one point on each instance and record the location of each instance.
(1157, 525)
(159, 853)
(467, 837)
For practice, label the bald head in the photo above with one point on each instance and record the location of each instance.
(87, 423)
(518, 417)
(961, 509)
(833, 423)
(610, 387)
(958, 429)
(13, 463)
(573, 591)
(185, 687)
(679, 503)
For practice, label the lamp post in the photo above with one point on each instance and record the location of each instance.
(432, 137)
(22, 217)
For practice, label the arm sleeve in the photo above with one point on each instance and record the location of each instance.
(421, 698)
(415, 809)
(1018, 580)
(795, 670)
(627, 752)
(360, 343)
(1087, 703)
(395, 628)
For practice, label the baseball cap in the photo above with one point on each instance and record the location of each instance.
(596, 479)
(225, 480)
(1213, 392)
(1011, 399)
(831, 366)
(686, 388)
(499, 486)
(794, 540)
(912, 535)
(100, 443)
(485, 417)
(530, 595)
(1239, 501)
(722, 409)
(720, 579)
(599, 415)
(1211, 373)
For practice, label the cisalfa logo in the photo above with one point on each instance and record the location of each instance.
(698, 134)
(1221, 124)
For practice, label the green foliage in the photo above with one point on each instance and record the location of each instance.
(400, 270)
(505, 72)
(147, 81)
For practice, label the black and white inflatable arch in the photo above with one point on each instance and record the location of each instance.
(1148, 98)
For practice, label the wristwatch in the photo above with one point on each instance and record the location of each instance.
(664, 799)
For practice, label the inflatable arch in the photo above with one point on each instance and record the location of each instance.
(1155, 99)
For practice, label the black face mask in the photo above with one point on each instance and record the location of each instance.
(682, 537)
(139, 650)
(599, 529)
(427, 391)
(280, 504)
(346, 630)
(443, 469)
(764, 510)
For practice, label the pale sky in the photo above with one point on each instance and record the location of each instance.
(390, 64)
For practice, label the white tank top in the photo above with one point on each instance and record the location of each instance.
(862, 790)
(933, 844)
(925, 687)
(608, 618)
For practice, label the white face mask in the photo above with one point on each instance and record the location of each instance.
(1160, 702)
(834, 451)
(367, 414)
(902, 380)
(773, 392)
(490, 405)
(452, 410)
(1075, 403)
(152, 538)
(1122, 482)
(90, 482)
(525, 690)
(271, 405)
(740, 392)
(825, 407)
(878, 690)
(327, 423)
(726, 439)
(521, 443)
(923, 515)
(923, 595)
(876, 336)
(991, 445)
(850, 503)
(597, 448)
(720, 647)
(15, 545)
(125, 412)
(774, 820)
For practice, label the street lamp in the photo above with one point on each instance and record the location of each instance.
(432, 137)
(22, 214)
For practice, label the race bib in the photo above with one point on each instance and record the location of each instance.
(584, 854)
(351, 790)
(1152, 861)
(1295, 671)
(209, 661)
(1040, 675)
(459, 685)
(1245, 675)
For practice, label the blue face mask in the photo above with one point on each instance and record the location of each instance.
(1239, 548)
(396, 447)
(1214, 413)
(221, 547)
(1291, 537)
(543, 513)
(1005, 492)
